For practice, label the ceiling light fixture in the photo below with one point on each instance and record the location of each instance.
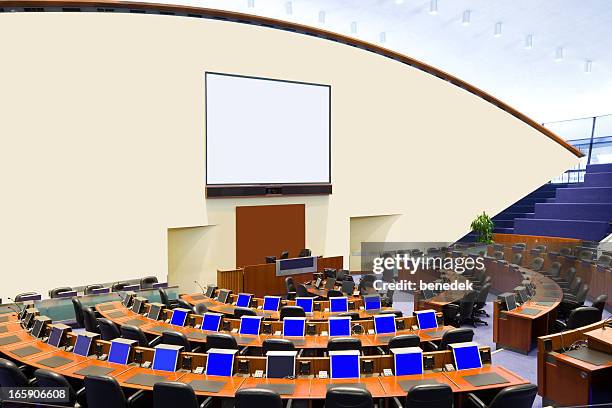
(322, 17)
(399, 1)
(498, 30)
(383, 37)
(529, 42)
(433, 7)
(289, 7)
(353, 27)
(250, 3)
(588, 66)
(465, 20)
(559, 54)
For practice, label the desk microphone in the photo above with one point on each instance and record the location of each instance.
(201, 287)
(19, 310)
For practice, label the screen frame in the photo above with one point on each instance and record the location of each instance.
(243, 318)
(344, 301)
(212, 314)
(467, 344)
(278, 298)
(167, 347)
(353, 353)
(407, 350)
(309, 300)
(419, 312)
(385, 316)
(79, 336)
(275, 353)
(294, 319)
(365, 302)
(221, 351)
(334, 318)
(243, 295)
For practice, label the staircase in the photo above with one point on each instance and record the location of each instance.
(581, 210)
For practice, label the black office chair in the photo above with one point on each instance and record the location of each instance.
(104, 392)
(517, 258)
(329, 273)
(301, 291)
(554, 271)
(498, 255)
(177, 339)
(78, 312)
(176, 394)
(580, 295)
(117, 286)
(344, 343)
(243, 311)
(277, 345)
(341, 274)
(566, 279)
(182, 303)
(605, 261)
(108, 330)
(516, 396)
(291, 311)
(12, 376)
(90, 319)
(566, 251)
(305, 252)
(450, 314)
(600, 303)
(163, 295)
(200, 308)
(366, 283)
(90, 288)
(221, 341)
(50, 379)
(135, 333)
(334, 293)
(541, 248)
(270, 259)
(397, 313)
(466, 307)
(257, 397)
(586, 255)
(404, 340)
(352, 315)
(21, 296)
(430, 396)
(348, 397)
(579, 317)
(290, 288)
(284, 255)
(147, 282)
(574, 287)
(536, 264)
(453, 336)
(53, 293)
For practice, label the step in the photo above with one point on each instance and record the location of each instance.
(579, 229)
(551, 186)
(519, 208)
(598, 180)
(574, 211)
(531, 201)
(584, 195)
(503, 230)
(541, 194)
(599, 168)
(504, 223)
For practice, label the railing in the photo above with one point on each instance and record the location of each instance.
(592, 136)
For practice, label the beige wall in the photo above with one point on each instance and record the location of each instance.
(103, 146)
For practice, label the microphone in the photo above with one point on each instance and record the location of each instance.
(201, 287)
(19, 311)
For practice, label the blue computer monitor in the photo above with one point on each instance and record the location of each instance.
(384, 324)
(372, 302)
(427, 319)
(339, 326)
(280, 364)
(338, 304)
(120, 350)
(306, 303)
(165, 357)
(82, 347)
(271, 303)
(220, 362)
(408, 360)
(294, 326)
(211, 321)
(179, 316)
(250, 325)
(57, 334)
(344, 364)
(244, 300)
(466, 355)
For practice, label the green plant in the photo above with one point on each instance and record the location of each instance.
(483, 226)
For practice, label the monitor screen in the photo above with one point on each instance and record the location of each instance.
(318, 282)
(210, 291)
(522, 292)
(510, 301)
(138, 303)
(250, 325)
(39, 325)
(330, 283)
(306, 303)
(220, 362)
(31, 313)
(120, 351)
(154, 311)
(127, 299)
(56, 336)
(294, 326)
(427, 293)
(338, 304)
(344, 364)
(348, 287)
(466, 355)
(384, 324)
(244, 300)
(372, 302)
(271, 303)
(179, 316)
(339, 326)
(280, 364)
(408, 361)
(427, 319)
(166, 357)
(211, 321)
(83, 345)
(223, 295)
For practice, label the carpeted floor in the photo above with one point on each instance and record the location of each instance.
(524, 365)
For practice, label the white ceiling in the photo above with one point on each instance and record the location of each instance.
(527, 79)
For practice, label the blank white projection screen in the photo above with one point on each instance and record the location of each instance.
(262, 131)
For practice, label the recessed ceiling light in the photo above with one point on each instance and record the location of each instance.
(498, 30)
(289, 7)
(465, 19)
(399, 1)
(529, 42)
(433, 7)
(322, 17)
(250, 3)
(353, 27)
(559, 54)
(588, 66)
(383, 37)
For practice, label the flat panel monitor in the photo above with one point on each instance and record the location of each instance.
(165, 357)
(466, 355)
(271, 303)
(138, 304)
(83, 343)
(128, 299)
(522, 293)
(372, 302)
(280, 364)
(155, 310)
(306, 303)
(348, 286)
(294, 326)
(338, 304)
(318, 282)
(427, 294)
(408, 360)
(210, 291)
(509, 301)
(120, 350)
(223, 295)
(30, 314)
(58, 333)
(220, 362)
(344, 364)
(244, 300)
(39, 326)
(384, 324)
(339, 326)
(211, 321)
(179, 316)
(426, 319)
(330, 283)
(250, 325)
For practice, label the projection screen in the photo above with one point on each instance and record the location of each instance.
(266, 131)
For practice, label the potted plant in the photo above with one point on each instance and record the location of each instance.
(483, 226)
